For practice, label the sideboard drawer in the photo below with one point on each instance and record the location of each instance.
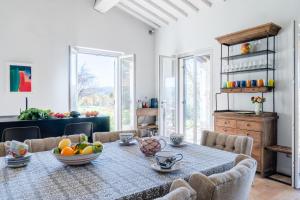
(252, 126)
(222, 129)
(226, 123)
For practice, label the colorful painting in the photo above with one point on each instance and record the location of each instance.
(20, 78)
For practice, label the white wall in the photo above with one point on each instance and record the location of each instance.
(199, 30)
(40, 32)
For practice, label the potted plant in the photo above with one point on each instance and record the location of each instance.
(258, 101)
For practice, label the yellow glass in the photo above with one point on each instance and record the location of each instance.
(271, 83)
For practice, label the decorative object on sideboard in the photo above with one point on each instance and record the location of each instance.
(34, 114)
(74, 114)
(258, 101)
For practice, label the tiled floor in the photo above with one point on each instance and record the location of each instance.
(265, 189)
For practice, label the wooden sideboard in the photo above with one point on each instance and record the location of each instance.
(262, 128)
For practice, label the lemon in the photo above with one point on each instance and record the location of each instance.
(87, 150)
(64, 143)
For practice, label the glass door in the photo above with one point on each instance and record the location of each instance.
(168, 92)
(103, 81)
(296, 135)
(195, 96)
(127, 92)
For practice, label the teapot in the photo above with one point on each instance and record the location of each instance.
(150, 145)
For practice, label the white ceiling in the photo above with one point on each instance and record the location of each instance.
(155, 13)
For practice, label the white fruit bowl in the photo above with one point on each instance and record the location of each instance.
(76, 159)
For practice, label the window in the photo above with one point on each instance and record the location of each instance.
(103, 81)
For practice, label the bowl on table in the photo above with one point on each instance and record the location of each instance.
(77, 154)
(77, 159)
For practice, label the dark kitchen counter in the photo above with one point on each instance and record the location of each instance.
(54, 127)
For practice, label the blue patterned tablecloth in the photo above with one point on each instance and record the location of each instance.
(121, 172)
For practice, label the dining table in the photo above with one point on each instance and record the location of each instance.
(120, 172)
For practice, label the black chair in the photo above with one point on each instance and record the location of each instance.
(78, 128)
(21, 133)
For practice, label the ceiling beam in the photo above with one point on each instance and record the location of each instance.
(143, 12)
(105, 5)
(162, 13)
(207, 3)
(141, 6)
(137, 15)
(166, 12)
(191, 5)
(181, 11)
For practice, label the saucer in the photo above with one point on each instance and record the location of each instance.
(174, 168)
(132, 142)
(177, 145)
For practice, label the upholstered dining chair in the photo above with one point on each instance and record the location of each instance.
(234, 184)
(21, 133)
(180, 190)
(2, 149)
(78, 128)
(233, 143)
(46, 144)
(105, 137)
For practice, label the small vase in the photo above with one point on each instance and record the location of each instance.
(258, 108)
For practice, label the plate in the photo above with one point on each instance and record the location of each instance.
(22, 158)
(127, 144)
(175, 167)
(177, 145)
(17, 165)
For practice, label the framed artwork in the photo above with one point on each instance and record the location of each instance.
(20, 78)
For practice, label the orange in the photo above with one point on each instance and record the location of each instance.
(67, 151)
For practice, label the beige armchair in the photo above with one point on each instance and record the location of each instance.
(105, 137)
(234, 184)
(180, 190)
(46, 144)
(232, 143)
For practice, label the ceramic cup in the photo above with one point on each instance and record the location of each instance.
(248, 83)
(243, 84)
(126, 137)
(166, 159)
(17, 149)
(176, 139)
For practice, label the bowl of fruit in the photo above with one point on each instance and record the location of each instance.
(77, 154)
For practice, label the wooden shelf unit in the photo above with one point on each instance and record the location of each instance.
(264, 31)
(147, 112)
(247, 90)
(262, 128)
(255, 33)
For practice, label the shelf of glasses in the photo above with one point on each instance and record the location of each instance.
(247, 90)
(251, 54)
(248, 70)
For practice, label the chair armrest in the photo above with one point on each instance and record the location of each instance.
(180, 183)
(181, 193)
(203, 186)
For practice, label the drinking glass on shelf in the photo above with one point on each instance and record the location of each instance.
(245, 66)
(225, 68)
